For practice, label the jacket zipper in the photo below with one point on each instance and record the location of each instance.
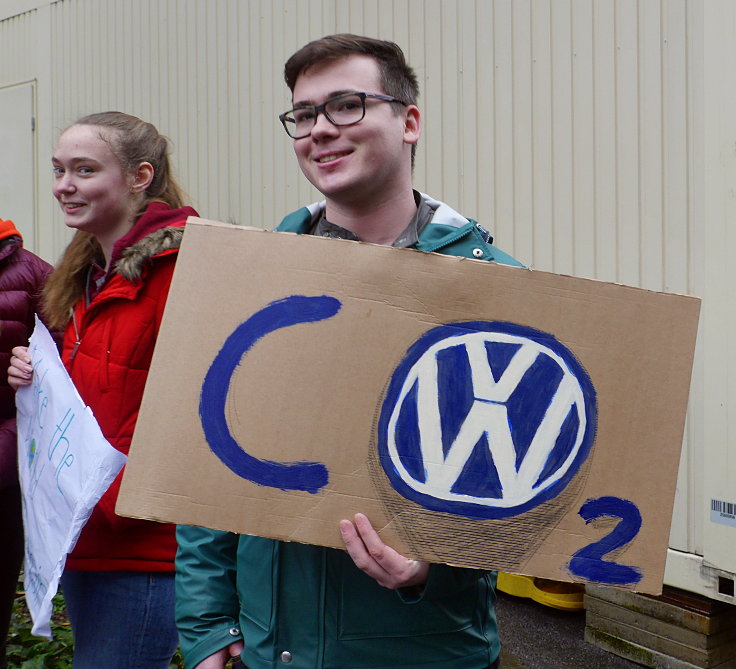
(78, 339)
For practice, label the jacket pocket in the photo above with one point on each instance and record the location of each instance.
(366, 610)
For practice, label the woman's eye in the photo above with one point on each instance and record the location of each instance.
(57, 171)
(85, 170)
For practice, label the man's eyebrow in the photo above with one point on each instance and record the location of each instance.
(332, 94)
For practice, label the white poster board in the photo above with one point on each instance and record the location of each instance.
(65, 465)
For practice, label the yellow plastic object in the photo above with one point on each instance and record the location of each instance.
(558, 595)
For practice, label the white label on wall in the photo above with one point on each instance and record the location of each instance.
(723, 512)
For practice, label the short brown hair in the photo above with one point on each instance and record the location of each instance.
(397, 78)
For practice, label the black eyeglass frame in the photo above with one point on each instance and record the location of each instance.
(322, 108)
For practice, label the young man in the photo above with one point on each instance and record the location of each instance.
(355, 125)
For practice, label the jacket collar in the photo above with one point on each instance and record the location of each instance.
(158, 230)
(302, 220)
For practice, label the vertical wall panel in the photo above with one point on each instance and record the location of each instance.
(651, 145)
(627, 141)
(675, 123)
(501, 116)
(583, 139)
(453, 113)
(484, 145)
(604, 121)
(542, 119)
(522, 130)
(467, 106)
(560, 220)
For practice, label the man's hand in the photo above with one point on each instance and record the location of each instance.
(389, 568)
(219, 659)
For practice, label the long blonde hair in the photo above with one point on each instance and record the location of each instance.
(132, 141)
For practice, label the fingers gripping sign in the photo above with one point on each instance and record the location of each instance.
(20, 371)
(381, 562)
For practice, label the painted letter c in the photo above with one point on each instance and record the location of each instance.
(307, 476)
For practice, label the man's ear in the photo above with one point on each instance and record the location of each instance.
(142, 178)
(412, 124)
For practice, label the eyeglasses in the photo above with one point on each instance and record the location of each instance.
(346, 109)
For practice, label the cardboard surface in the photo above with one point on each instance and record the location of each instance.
(480, 415)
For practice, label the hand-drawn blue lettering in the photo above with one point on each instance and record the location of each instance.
(34, 584)
(61, 444)
(42, 400)
(294, 310)
(37, 384)
(35, 464)
(486, 420)
(588, 562)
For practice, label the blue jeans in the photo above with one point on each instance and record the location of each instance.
(121, 619)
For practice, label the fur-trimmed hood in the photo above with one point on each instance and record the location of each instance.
(135, 257)
(157, 231)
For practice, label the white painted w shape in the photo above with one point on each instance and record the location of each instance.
(488, 416)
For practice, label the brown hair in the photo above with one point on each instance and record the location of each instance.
(132, 141)
(396, 77)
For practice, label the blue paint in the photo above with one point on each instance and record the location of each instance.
(479, 477)
(500, 356)
(588, 562)
(62, 445)
(562, 445)
(453, 373)
(409, 447)
(294, 310)
(526, 405)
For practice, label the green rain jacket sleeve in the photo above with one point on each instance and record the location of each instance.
(207, 605)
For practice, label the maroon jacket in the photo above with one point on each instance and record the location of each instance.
(22, 276)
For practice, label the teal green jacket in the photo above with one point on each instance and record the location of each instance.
(448, 233)
(310, 605)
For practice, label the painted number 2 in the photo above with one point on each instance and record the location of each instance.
(588, 562)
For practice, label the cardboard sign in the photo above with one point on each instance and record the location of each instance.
(480, 415)
(65, 465)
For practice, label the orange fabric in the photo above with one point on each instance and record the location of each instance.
(8, 229)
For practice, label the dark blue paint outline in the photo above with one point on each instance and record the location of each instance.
(469, 509)
(293, 310)
(588, 562)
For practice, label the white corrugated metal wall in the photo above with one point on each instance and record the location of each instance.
(564, 124)
(573, 128)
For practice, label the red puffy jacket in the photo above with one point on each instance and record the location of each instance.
(107, 351)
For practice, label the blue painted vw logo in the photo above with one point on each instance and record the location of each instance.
(486, 420)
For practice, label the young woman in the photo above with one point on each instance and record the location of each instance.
(113, 182)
